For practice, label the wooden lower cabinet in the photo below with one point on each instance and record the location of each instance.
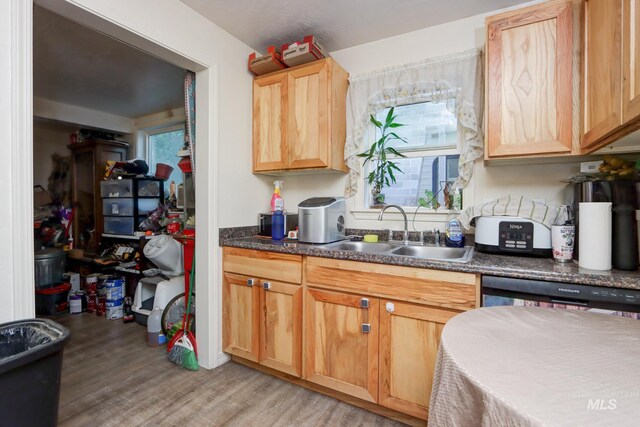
(339, 353)
(262, 322)
(409, 339)
(241, 316)
(281, 327)
(364, 333)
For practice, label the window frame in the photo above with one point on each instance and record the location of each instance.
(362, 209)
(157, 131)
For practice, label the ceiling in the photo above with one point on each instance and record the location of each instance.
(338, 24)
(76, 65)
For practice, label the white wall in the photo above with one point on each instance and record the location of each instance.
(536, 181)
(47, 109)
(48, 139)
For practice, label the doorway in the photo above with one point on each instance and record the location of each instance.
(208, 313)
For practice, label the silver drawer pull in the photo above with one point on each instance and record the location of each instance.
(266, 286)
(366, 328)
(251, 282)
(364, 302)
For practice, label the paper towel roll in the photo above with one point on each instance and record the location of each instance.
(595, 236)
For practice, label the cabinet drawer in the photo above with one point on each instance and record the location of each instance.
(269, 265)
(422, 286)
(117, 207)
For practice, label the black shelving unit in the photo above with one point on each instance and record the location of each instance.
(128, 202)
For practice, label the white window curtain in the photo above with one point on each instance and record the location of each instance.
(454, 79)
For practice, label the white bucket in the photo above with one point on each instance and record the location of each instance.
(166, 253)
(114, 309)
(114, 289)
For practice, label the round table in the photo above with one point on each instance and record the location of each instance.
(530, 366)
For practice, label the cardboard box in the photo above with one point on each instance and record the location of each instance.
(302, 52)
(268, 63)
(41, 197)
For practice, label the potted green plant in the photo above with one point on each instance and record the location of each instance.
(383, 170)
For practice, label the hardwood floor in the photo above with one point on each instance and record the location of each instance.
(111, 378)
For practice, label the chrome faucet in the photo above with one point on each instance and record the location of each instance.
(405, 233)
(436, 234)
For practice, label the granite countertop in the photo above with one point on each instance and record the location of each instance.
(498, 265)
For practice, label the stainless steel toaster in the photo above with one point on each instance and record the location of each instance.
(321, 220)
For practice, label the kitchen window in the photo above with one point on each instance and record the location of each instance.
(431, 165)
(163, 146)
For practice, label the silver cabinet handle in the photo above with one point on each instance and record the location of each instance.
(266, 286)
(366, 328)
(251, 282)
(364, 302)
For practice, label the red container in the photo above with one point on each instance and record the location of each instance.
(52, 300)
(185, 164)
(188, 240)
(91, 303)
(163, 171)
(101, 306)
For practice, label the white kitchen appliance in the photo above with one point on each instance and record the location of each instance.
(321, 220)
(512, 235)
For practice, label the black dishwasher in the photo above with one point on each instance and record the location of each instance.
(505, 291)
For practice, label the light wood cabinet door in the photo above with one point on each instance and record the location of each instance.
(309, 119)
(529, 81)
(270, 115)
(281, 326)
(338, 353)
(409, 339)
(241, 316)
(299, 119)
(630, 60)
(602, 58)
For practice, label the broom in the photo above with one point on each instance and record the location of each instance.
(183, 345)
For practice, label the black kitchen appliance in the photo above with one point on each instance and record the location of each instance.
(265, 220)
(507, 291)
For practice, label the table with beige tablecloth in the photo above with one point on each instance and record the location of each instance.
(529, 366)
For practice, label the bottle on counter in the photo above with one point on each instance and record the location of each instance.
(277, 208)
(454, 235)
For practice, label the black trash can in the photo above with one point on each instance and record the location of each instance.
(30, 368)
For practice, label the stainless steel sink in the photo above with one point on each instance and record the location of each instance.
(436, 253)
(359, 247)
(440, 253)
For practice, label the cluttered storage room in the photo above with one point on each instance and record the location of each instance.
(287, 213)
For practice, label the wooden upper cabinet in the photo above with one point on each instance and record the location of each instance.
(602, 72)
(611, 74)
(529, 81)
(270, 122)
(630, 58)
(309, 117)
(409, 339)
(299, 118)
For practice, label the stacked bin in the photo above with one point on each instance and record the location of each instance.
(128, 202)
